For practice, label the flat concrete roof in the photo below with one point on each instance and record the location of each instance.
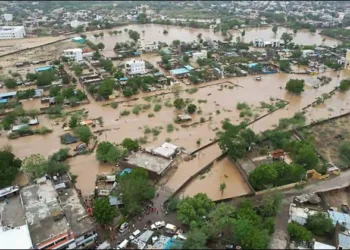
(80, 222)
(13, 212)
(40, 203)
(16, 238)
(148, 161)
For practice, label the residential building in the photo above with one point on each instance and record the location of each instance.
(259, 42)
(12, 32)
(148, 46)
(75, 54)
(199, 55)
(134, 67)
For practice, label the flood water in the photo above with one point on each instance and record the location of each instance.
(223, 171)
(223, 99)
(154, 32)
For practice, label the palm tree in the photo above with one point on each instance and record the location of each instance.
(222, 187)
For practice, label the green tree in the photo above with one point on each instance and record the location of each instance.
(222, 218)
(96, 36)
(83, 133)
(142, 18)
(9, 166)
(284, 66)
(274, 29)
(78, 70)
(100, 46)
(176, 42)
(60, 155)
(45, 78)
(286, 38)
(320, 224)
(295, 86)
(118, 74)
(108, 152)
(101, 34)
(73, 122)
(83, 36)
(96, 55)
(222, 188)
(306, 156)
(191, 210)
(104, 213)
(106, 88)
(10, 83)
(179, 103)
(134, 35)
(191, 108)
(344, 152)
(196, 239)
(68, 92)
(298, 233)
(65, 79)
(344, 85)
(130, 144)
(136, 188)
(243, 33)
(186, 58)
(235, 140)
(34, 166)
(127, 91)
(31, 76)
(271, 205)
(263, 176)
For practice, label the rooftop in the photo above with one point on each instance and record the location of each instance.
(166, 150)
(43, 68)
(78, 219)
(340, 217)
(344, 240)
(162, 242)
(41, 205)
(12, 214)
(8, 28)
(148, 161)
(179, 71)
(15, 238)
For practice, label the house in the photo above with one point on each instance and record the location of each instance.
(179, 71)
(12, 32)
(184, 117)
(259, 42)
(148, 46)
(8, 95)
(166, 150)
(78, 39)
(341, 218)
(200, 55)
(134, 67)
(307, 53)
(74, 54)
(68, 138)
(44, 68)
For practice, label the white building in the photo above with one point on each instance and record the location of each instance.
(75, 54)
(135, 67)
(199, 55)
(12, 32)
(148, 46)
(259, 42)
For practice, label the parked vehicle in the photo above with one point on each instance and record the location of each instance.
(258, 78)
(135, 234)
(170, 228)
(104, 245)
(123, 227)
(158, 225)
(123, 245)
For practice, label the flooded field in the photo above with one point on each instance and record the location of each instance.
(154, 32)
(216, 103)
(7, 46)
(223, 171)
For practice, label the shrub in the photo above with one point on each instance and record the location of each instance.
(146, 106)
(320, 224)
(170, 128)
(298, 232)
(150, 115)
(344, 85)
(157, 107)
(125, 113)
(191, 108)
(42, 131)
(114, 105)
(242, 105)
(136, 110)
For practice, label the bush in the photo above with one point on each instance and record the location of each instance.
(295, 86)
(191, 108)
(114, 105)
(344, 85)
(298, 233)
(344, 152)
(170, 128)
(10, 83)
(125, 113)
(136, 110)
(242, 105)
(42, 131)
(61, 155)
(150, 115)
(157, 107)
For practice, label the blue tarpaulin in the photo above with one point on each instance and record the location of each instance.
(123, 79)
(8, 94)
(43, 68)
(189, 67)
(179, 71)
(127, 170)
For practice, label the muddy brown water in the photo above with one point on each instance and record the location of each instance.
(223, 171)
(225, 101)
(154, 32)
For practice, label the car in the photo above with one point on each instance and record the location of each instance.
(123, 227)
(158, 225)
(135, 234)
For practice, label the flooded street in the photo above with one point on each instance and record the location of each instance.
(223, 171)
